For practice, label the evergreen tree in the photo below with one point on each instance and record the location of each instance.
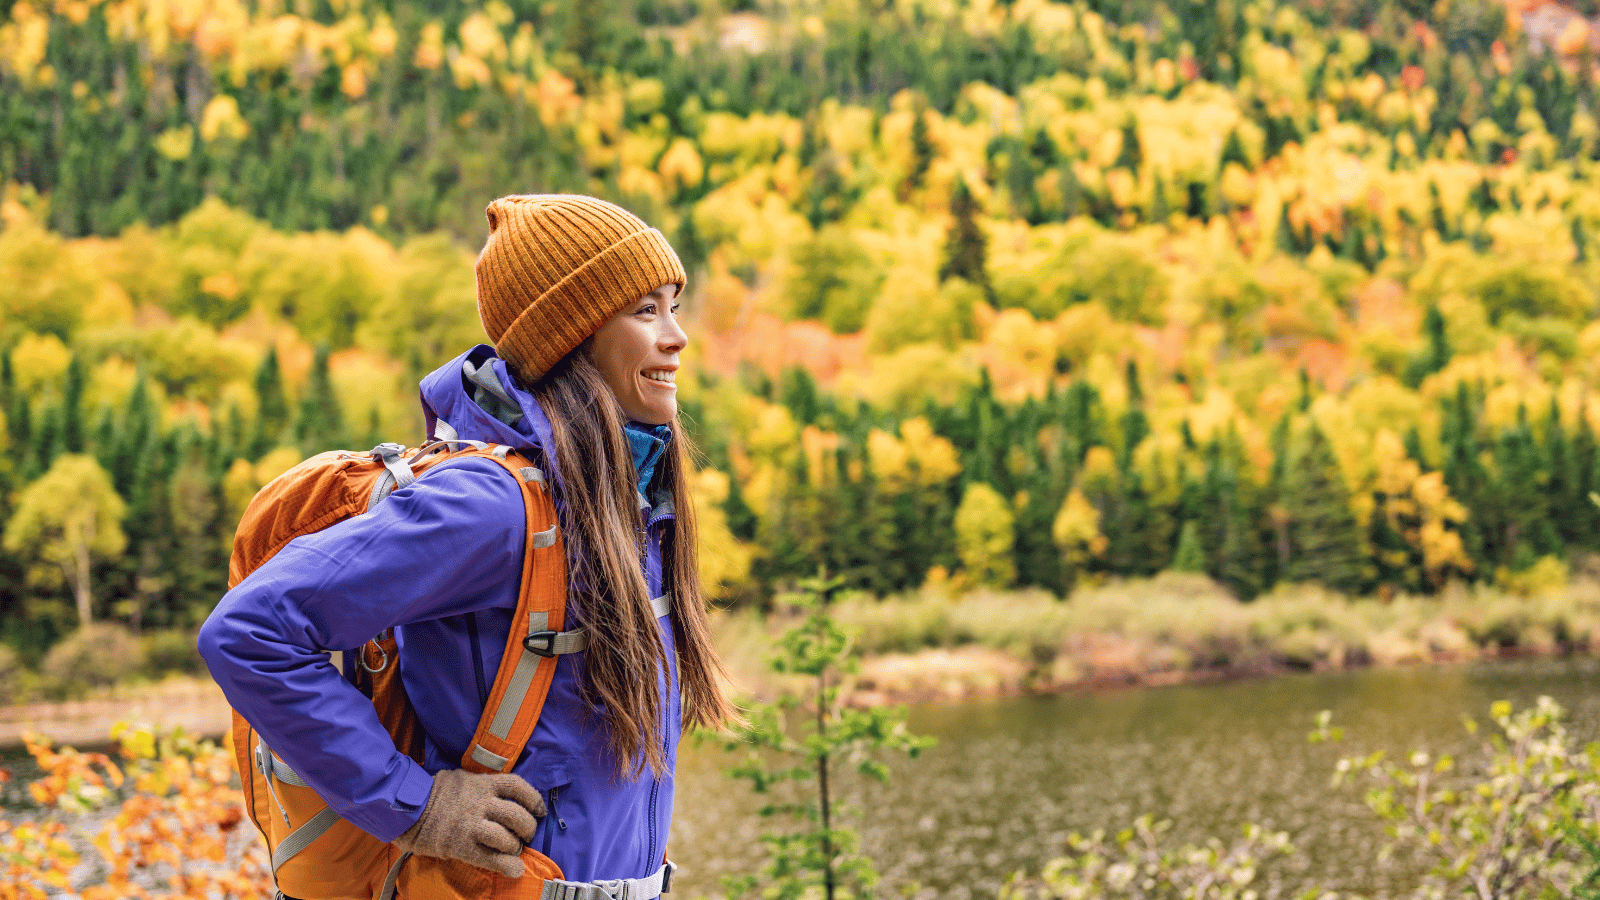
(1397, 565)
(272, 412)
(1465, 475)
(19, 422)
(966, 248)
(1585, 524)
(1564, 481)
(47, 443)
(319, 424)
(8, 382)
(1131, 154)
(1140, 540)
(922, 150)
(1287, 241)
(1325, 538)
(1080, 417)
(140, 422)
(741, 518)
(71, 415)
(1233, 151)
(1189, 556)
(1436, 355)
(798, 392)
(1160, 204)
(1522, 505)
(1135, 424)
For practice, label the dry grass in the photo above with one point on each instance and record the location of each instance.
(1164, 628)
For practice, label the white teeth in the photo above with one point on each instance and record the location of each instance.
(666, 375)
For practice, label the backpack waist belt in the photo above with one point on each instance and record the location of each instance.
(618, 889)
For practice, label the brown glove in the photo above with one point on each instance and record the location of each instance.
(482, 820)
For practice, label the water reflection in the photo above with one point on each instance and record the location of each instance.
(1011, 778)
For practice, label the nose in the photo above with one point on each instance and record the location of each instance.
(671, 339)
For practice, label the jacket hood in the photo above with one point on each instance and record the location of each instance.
(473, 397)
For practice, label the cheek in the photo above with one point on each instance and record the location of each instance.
(611, 359)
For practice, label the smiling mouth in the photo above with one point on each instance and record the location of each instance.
(661, 376)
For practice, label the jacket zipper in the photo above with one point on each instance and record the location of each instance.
(655, 789)
(553, 813)
(655, 780)
(477, 659)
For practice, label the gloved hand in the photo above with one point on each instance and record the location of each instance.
(480, 819)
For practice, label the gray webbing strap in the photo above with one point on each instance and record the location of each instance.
(545, 538)
(442, 445)
(392, 881)
(492, 760)
(301, 837)
(382, 488)
(390, 455)
(273, 767)
(618, 889)
(539, 644)
(444, 431)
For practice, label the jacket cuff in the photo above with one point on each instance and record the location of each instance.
(408, 803)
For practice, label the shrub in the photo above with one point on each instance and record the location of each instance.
(169, 650)
(97, 655)
(12, 673)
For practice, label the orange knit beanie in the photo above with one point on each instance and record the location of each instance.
(556, 267)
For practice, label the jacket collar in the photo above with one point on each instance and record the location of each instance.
(510, 416)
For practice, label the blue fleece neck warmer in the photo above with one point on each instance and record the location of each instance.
(648, 443)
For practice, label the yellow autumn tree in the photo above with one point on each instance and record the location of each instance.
(65, 521)
(1076, 531)
(984, 537)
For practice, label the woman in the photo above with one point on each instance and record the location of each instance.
(579, 298)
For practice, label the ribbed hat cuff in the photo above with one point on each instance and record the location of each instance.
(555, 323)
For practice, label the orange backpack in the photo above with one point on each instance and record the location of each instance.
(315, 854)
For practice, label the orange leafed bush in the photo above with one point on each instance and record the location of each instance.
(165, 823)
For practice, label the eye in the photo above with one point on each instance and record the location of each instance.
(676, 307)
(649, 309)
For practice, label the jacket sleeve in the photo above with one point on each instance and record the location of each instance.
(437, 548)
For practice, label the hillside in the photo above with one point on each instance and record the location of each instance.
(1014, 294)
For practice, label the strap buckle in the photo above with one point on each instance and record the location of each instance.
(541, 643)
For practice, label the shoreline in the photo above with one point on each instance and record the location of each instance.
(193, 703)
(973, 685)
(968, 672)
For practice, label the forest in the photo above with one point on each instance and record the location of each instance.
(993, 294)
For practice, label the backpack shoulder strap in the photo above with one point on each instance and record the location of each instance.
(528, 666)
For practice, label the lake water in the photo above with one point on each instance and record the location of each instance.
(1011, 778)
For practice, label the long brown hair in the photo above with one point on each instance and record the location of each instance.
(603, 533)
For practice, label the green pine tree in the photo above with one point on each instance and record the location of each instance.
(273, 408)
(1436, 355)
(1131, 154)
(922, 151)
(966, 247)
(1325, 539)
(1135, 423)
(1190, 556)
(319, 424)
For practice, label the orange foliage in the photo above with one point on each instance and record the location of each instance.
(175, 832)
(775, 345)
(1326, 362)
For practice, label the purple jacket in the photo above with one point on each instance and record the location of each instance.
(438, 561)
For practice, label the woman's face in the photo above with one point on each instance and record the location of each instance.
(637, 355)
